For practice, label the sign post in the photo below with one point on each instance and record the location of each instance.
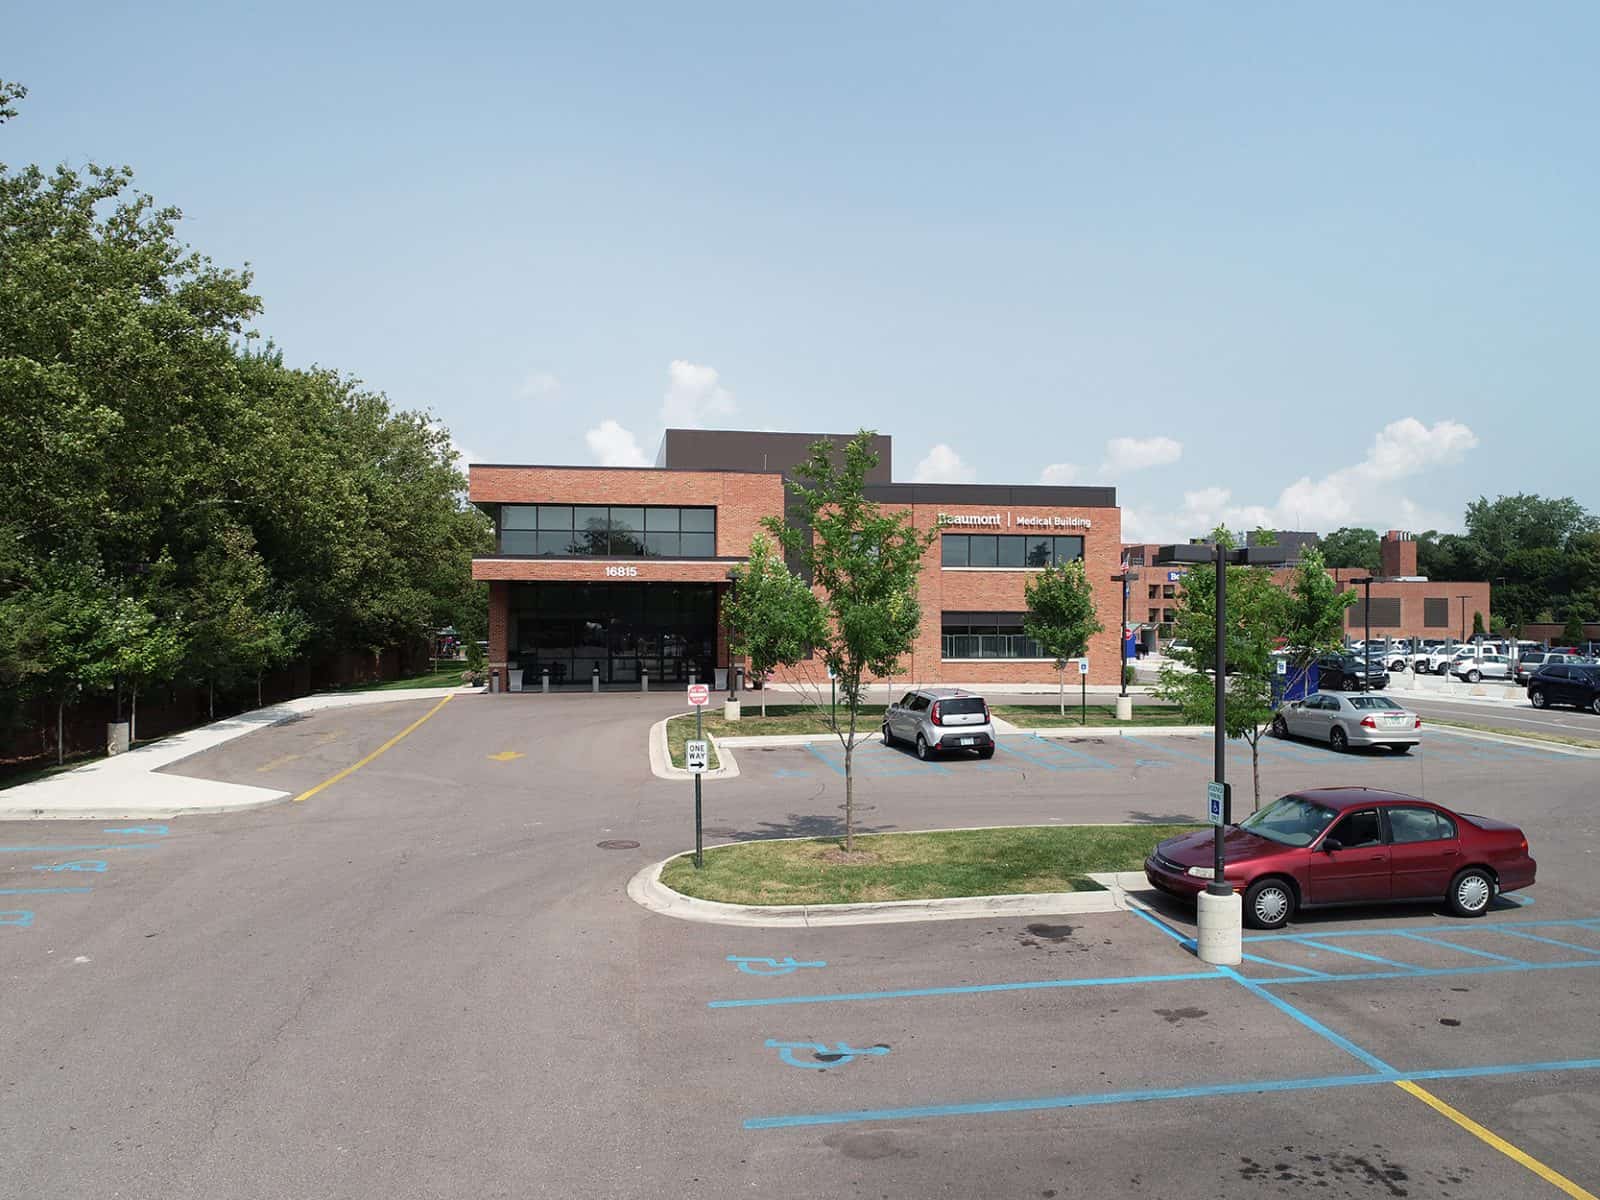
(695, 755)
(1083, 690)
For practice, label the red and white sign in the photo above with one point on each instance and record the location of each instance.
(699, 694)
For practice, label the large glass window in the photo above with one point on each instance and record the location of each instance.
(1007, 551)
(986, 635)
(599, 531)
(623, 630)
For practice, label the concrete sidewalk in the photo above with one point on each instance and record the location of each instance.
(127, 786)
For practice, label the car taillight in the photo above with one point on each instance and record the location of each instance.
(1369, 723)
(1418, 725)
(937, 720)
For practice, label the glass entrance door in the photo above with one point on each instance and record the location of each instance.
(623, 629)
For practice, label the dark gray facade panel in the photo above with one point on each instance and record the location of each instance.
(755, 450)
(1027, 496)
(1436, 612)
(1385, 611)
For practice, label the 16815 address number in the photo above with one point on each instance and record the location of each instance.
(622, 570)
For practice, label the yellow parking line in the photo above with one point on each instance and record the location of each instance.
(1552, 1177)
(351, 770)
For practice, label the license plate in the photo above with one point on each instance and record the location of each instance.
(969, 741)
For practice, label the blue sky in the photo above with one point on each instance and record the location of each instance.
(1264, 263)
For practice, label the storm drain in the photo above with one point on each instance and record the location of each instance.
(618, 844)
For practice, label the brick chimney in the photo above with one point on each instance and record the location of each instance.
(1399, 553)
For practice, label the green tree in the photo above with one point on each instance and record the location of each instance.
(1572, 632)
(774, 618)
(1353, 547)
(1061, 616)
(140, 650)
(863, 561)
(1253, 622)
(1313, 615)
(1477, 625)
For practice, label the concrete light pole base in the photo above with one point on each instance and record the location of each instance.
(1124, 708)
(1221, 939)
(730, 710)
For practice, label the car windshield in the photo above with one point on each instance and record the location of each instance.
(1289, 820)
(1372, 702)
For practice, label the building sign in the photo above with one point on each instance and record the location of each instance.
(1007, 521)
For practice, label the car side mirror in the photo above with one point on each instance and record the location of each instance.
(1329, 845)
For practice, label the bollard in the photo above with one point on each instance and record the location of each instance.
(494, 680)
(739, 677)
(594, 681)
(644, 680)
(544, 682)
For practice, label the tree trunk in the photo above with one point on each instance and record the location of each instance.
(258, 689)
(849, 798)
(61, 750)
(1255, 768)
(133, 718)
(1062, 694)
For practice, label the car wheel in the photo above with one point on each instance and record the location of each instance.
(922, 748)
(1594, 706)
(1474, 675)
(1470, 892)
(986, 752)
(888, 738)
(1338, 740)
(1537, 698)
(1403, 748)
(1280, 727)
(1268, 904)
(1441, 669)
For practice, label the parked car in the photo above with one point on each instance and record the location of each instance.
(1350, 845)
(1442, 660)
(1343, 721)
(1485, 666)
(939, 719)
(1566, 683)
(1530, 662)
(1347, 672)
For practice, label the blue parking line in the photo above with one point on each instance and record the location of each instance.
(1001, 745)
(824, 759)
(1272, 962)
(908, 764)
(1417, 937)
(1188, 943)
(74, 849)
(41, 891)
(1533, 937)
(1459, 928)
(1500, 748)
(1093, 763)
(971, 989)
(1093, 1099)
(1310, 1022)
(1354, 953)
(1431, 972)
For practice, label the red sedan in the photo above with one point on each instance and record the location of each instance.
(1350, 845)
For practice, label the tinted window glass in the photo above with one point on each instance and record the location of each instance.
(558, 542)
(1290, 820)
(662, 545)
(954, 549)
(981, 552)
(1359, 829)
(1011, 551)
(555, 516)
(1039, 551)
(920, 704)
(699, 545)
(961, 706)
(1372, 702)
(1068, 549)
(699, 520)
(517, 516)
(905, 701)
(661, 520)
(1555, 672)
(1414, 825)
(518, 541)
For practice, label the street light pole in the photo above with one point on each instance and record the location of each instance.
(1463, 600)
(1366, 645)
(1218, 909)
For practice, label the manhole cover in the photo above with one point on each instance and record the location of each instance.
(618, 844)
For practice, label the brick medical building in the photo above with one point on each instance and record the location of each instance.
(622, 570)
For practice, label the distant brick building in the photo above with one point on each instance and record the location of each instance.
(623, 570)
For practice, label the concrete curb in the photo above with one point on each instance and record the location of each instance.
(661, 758)
(127, 788)
(647, 890)
(1532, 743)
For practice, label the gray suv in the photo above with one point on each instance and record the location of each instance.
(936, 719)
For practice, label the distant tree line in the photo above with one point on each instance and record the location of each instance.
(176, 504)
(1541, 556)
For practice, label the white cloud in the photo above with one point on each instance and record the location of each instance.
(1059, 474)
(1361, 494)
(943, 465)
(539, 385)
(694, 396)
(613, 446)
(1135, 454)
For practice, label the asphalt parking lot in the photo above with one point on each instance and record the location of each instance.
(425, 980)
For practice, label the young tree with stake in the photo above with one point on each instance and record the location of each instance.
(863, 561)
(1061, 615)
(774, 618)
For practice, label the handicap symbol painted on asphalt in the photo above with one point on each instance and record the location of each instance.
(149, 830)
(16, 916)
(83, 864)
(770, 966)
(822, 1058)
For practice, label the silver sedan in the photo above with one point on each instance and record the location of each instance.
(1342, 720)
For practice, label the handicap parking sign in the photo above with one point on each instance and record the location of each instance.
(1216, 795)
